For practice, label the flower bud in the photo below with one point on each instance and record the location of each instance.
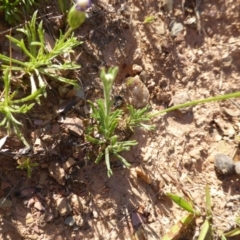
(77, 14)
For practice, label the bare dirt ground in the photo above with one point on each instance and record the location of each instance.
(182, 54)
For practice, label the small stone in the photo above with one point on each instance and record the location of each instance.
(226, 61)
(69, 221)
(29, 218)
(190, 20)
(160, 28)
(136, 69)
(74, 125)
(216, 135)
(38, 206)
(137, 93)
(144, 76)
(95, 214)
(79, 220)
(76, 202)
(226, 127)
(223, 164)
(57, 172)
(195, 153)
(181, 98)
(137, 219)
(70, 162)
(63, 206)
(141, 173)
(37, 142)
(176, 28)
(237, 168)
(231, 112)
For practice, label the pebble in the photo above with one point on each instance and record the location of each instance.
(180, 98)
(38, 206)
(176, 28)
(76, 202)
(69, 221)
(136, 69)
(231, 112)
(137, 93)
(226, 60)
(70, 162)
(223, 164)
(137, 219)
(57, 172)
(74, 125)
(63, 206)
(226, 127)
(237, 168)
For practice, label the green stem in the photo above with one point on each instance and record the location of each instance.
(66, 35)
(196, 102)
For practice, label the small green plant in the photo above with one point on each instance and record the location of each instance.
(10, 106)
(26, 164)
(13, 10)
(38, 64)
(138, 117)
(149, 19)
(107, 122)
(39, 61)
(206, 228)
(233, 232)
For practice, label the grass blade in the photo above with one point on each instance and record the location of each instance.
(232, 233)
(181, 202)
(204, 230)
(179, 227)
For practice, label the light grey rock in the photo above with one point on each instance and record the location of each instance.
(223, 164)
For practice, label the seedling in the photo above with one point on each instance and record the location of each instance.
(26, 164)
(107, 122)
(149, 19)
(39, 63)
(193, 214)
(10, 106)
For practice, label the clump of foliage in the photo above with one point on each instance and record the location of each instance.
(149, 19)
(10, 106)
(106, 123)
(207, 230)
(38, 64)
(187, 204)
(26, 164)
(15, 10)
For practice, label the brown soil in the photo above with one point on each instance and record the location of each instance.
(202, 60)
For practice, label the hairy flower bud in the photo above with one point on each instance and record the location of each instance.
(77, 13)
